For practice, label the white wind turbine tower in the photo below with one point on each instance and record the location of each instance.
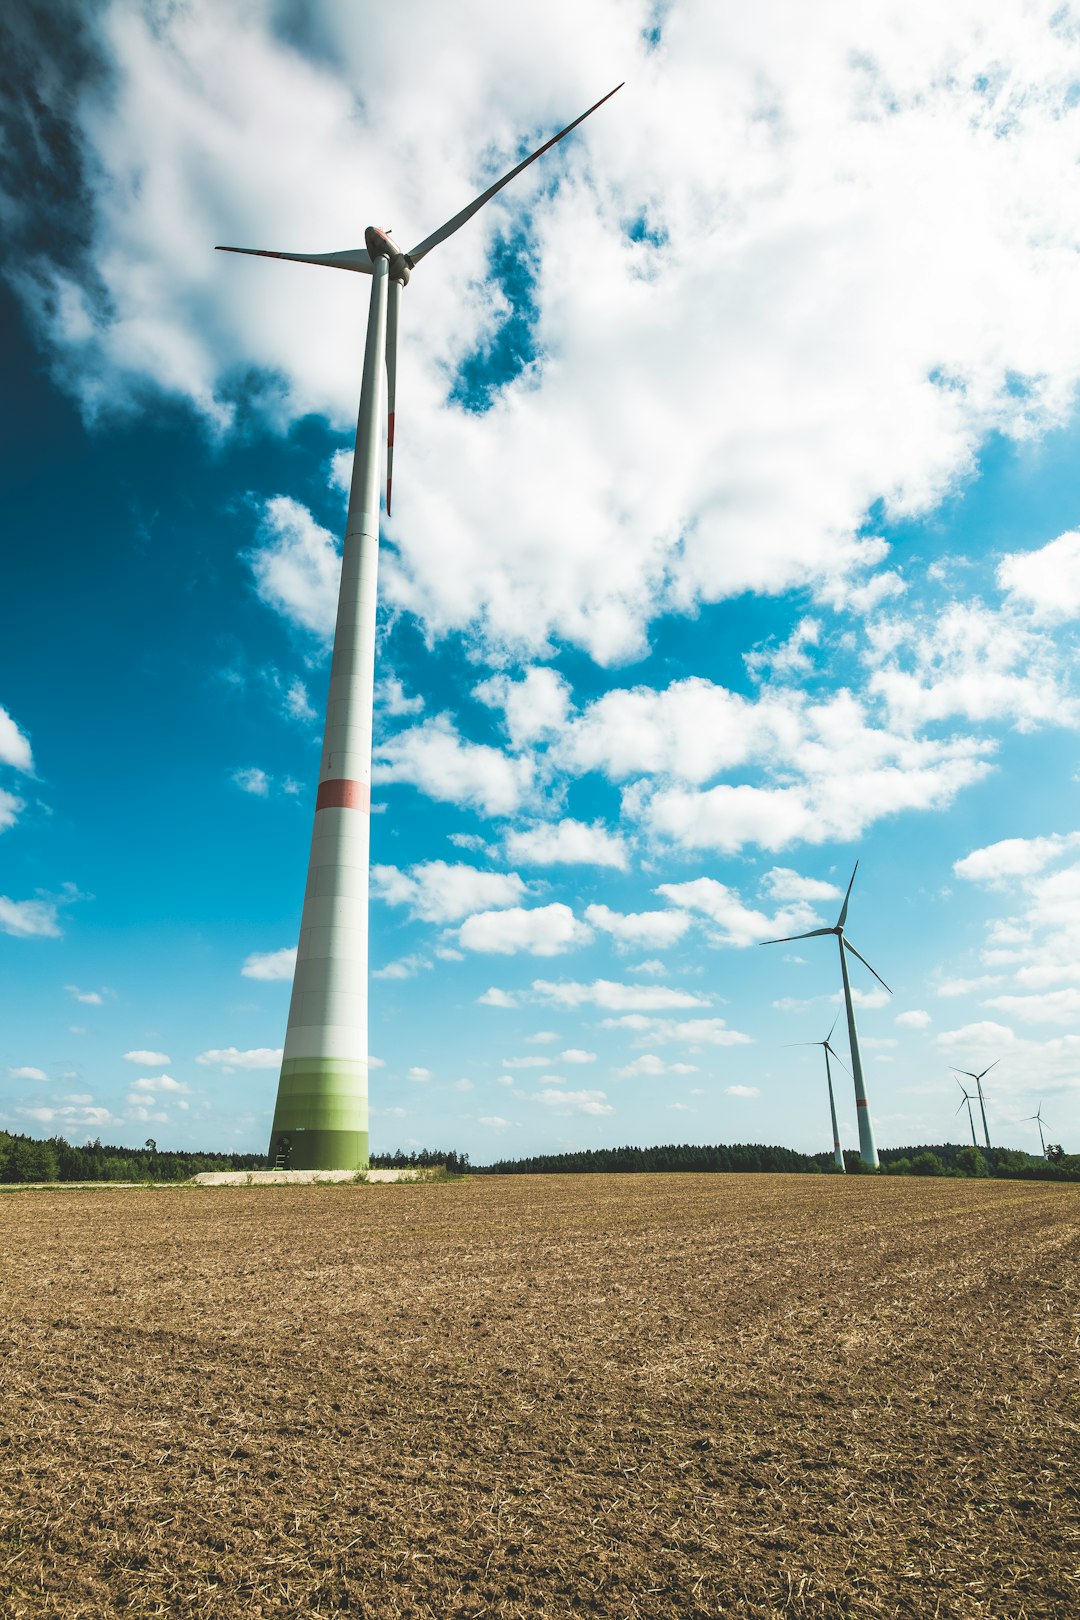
(1039, 1121)
(867, 1146)
(971, 1116)
(969, 1074)
(838, 1152)
(321, 1117)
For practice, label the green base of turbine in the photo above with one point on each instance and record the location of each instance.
(321, 1118)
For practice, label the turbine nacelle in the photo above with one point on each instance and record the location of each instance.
(381, 245)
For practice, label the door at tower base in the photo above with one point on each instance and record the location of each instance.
(321, 1119)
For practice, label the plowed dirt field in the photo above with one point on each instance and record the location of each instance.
(608, 1395)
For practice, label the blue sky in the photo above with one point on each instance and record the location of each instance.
(735, 539)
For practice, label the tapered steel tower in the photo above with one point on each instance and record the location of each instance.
(321, 1117)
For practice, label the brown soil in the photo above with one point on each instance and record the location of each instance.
(607, 1395)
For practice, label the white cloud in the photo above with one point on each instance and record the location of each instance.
(438, 892)
(10, 806)
(574, 1054)
(784, 884)
(742, 1091)
(638, 929)
(29, 919)
(915, 1018)
(14, 745)
(494, 997)
(297, 702)
(297, 566)
(153, 1085)
(463, 1085)
(738, 924)
(270, 964)
(950, 988)
(89, 998)
(27, 1073)
(252, 779)
(434, 759)
(229, 1058)
(970, 662)
(534, 707)
(694, 1031)
(567, 843)
(1051, 1007)
(543, 1037)
(494, 1122)
(405, 967)
(541, 931)
(145, 1059)
(573, 1102)
(1013, 857)
(649, 1064)
(1046, 580)
(418, 1073)
(72, 1117)
(392, 698)
(609, 994)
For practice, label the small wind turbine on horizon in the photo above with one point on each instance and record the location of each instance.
(971, 1117)
(970, 1074)
(1039, 1121)
(321, 1115)
(867, 1146)
(838, 1152)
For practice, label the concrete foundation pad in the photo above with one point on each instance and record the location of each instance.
(297, 1178)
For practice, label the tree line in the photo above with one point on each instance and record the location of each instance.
(753, 1156)
(24, 1158)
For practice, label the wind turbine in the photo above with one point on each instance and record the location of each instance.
(321, 1115)
(1039, 1121)
(978, 1079)
(971, 1117)
(867, 1146)
(838, 1152)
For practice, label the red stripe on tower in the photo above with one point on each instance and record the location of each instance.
(861, 1102)
(343, 794)
(390, 429)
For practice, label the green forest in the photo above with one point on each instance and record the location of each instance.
(27, 1159)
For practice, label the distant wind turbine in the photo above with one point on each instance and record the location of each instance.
(969, 1074)
(971, 1117)
(321, 1117)
(838, 1152)
(867, 1146)
(1039, 1121)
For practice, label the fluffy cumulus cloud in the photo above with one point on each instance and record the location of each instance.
(611, 995)
(14, 745)
(914, 1018)
(146, 1058)
(824, 768)
(635, 930)
(1047, 580)
(736, 923)
(695, 1032)
(29, 919)
(1033, 947)
(438, 892)
(436, 759)
(270, 964)
(533, 707)
(539, 931)
(297, 567)
(27, 1072)
(567, 843)
(229, 1058)
(869, 331)
(573, 1102)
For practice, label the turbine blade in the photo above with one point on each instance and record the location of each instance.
(840, 921)
(962, 1104)
(848, 946)
(966, 1072)
(987, 1071)
(837, 1056)
(788, 938)
(348, 259)
(835, 1021)
(393, 306)
(452, 225)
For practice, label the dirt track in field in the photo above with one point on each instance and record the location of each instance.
(607, 1395)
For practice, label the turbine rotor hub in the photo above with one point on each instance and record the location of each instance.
(381, 245)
